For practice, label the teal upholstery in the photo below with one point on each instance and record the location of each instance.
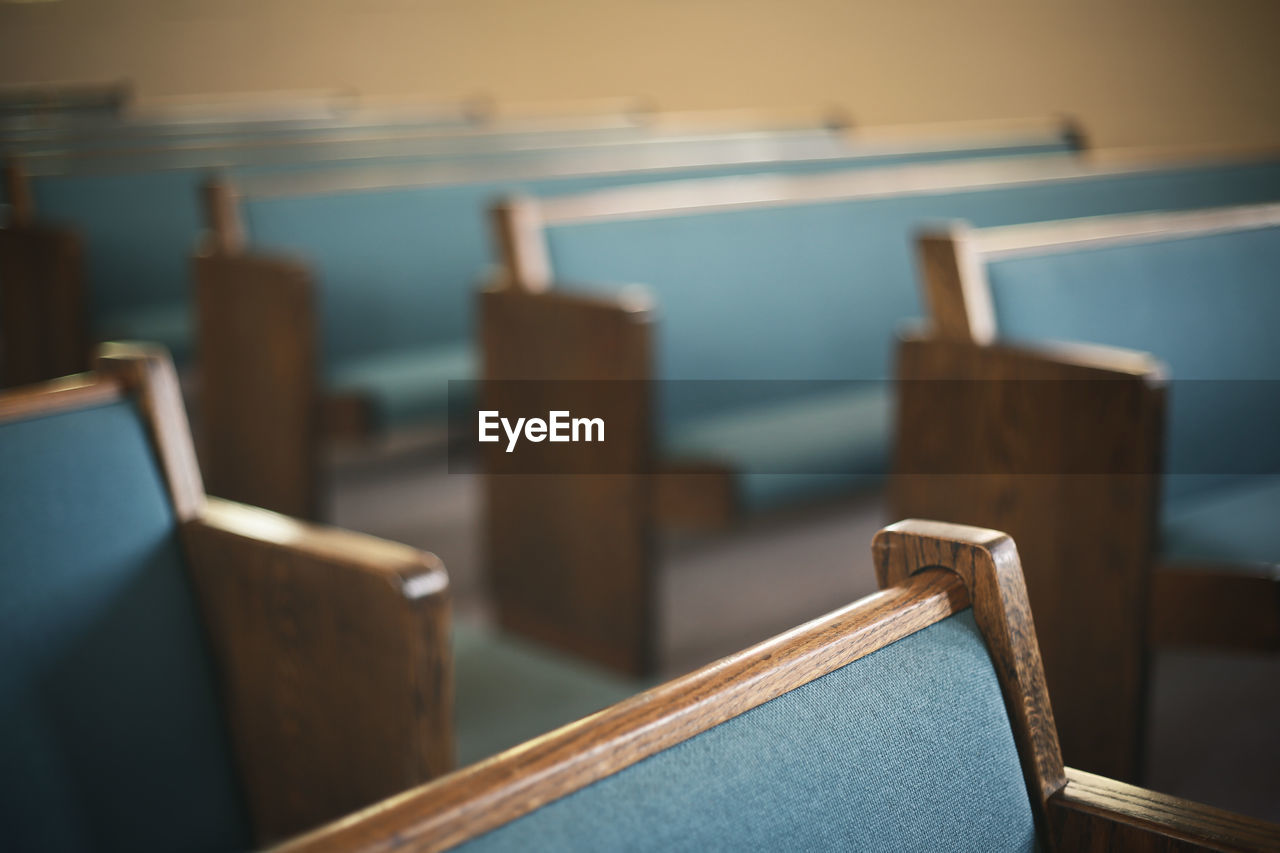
(408, 387)
(1235, 523)
(908, 748)
(113, 739)
(844, 426)
(815, 290)
(398, 267)
(139, 214)
(508, 691)
(1205, 306)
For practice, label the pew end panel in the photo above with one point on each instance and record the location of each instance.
(985, 436)
(570, 556)
(334, 655)
(44, 330)
(577, 786)
(259, 375)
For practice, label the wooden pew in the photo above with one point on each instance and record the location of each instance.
(136, 212)
(1063, 441)
(183, 672)
(914, 719)
(393, 257)
(750, 286)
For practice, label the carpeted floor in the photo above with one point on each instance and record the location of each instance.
(1212, 731)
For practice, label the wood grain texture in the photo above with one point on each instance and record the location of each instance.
(333, 651)
(987, 562)
(484, 796)
(570, 557)
(989, 436)
(955, 286)
(259, 376)
(1216, 606)
(1096, 814)
(146, 371)
(44, 329)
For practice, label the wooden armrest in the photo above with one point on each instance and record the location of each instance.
(334, 659)
(1095, 813)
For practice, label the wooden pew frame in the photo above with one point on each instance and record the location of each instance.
(1122, 582)
(331, 648)
(928, 571)
(43, 313)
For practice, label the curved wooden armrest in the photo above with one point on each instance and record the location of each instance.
(1097, 813)
(333, 652)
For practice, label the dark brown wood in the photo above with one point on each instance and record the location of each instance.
(1096, 814)
(43, 315)
(696, 495)
(17, 188)
(1220, 606)
(522, 249)
(571, 557)
(987, 562)
(147, 372)
(67, 393)
(259, 376)
(222, 216)
(333, 651)
(484, 796)
(1003, 453)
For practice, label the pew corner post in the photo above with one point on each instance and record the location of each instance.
(225, 232)
(521, 243)
(147, 371)
(987, 561)
(17, 187)
(955, 285)
(334, 656)
(1075, 132)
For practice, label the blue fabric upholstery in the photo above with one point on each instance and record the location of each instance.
(509, 691)
(1235, 523)
(814, 291)
(844, 426)
(405, 388)
(907, 749)
(112, 737)
(1205, 305)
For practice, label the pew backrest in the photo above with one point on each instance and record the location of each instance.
(832, 735)
(107, 690)
(398, 252)
(1197, 290)
(808, 277)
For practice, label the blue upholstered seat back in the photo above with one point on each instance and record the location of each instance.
(110, 733)
(398, 267)
(1206, 305)
(908, 748)
(815, 290)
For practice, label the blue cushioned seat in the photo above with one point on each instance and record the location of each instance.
(405, 387)
(872, 756)
(766, 295)
(112, 734)
(1236, 523)
(844, 427)
(509, 691)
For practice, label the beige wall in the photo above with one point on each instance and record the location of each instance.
(1137, 71)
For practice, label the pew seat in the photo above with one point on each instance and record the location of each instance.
(844, 427)
(404, 388)
(1236, 524)
(914, 719)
